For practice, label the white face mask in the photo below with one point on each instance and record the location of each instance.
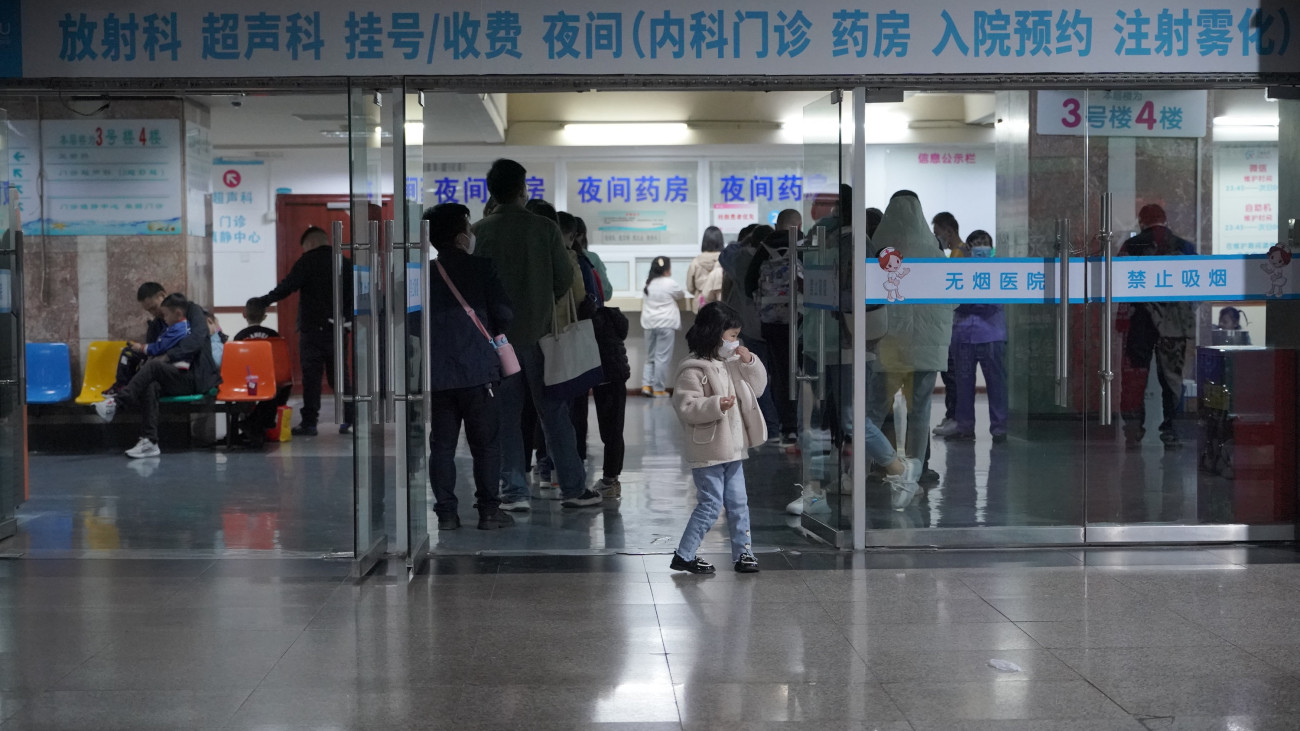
(728, 348)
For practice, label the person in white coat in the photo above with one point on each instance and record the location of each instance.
(661, 318)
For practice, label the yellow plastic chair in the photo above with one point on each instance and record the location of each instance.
(101, 369)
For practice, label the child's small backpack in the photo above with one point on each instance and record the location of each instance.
(773, 294)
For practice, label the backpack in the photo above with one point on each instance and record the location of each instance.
(773, 293)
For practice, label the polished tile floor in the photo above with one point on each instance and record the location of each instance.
(295, 499)
(1091, 640)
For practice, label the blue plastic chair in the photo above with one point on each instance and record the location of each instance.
(49, 373)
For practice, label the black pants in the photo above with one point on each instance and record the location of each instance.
(777, 337)
(949, 388)
(480, 412)
(611, 405)
(316, 356)
(155, 379)
(128, 364)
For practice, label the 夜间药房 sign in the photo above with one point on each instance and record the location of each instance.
(1035, 281)
(1123, 113)
(265, 38)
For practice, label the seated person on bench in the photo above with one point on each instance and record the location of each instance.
(250, 430)
(179, 364)
(150, 296)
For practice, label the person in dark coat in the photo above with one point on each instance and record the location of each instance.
(312, 277)
(464, 368)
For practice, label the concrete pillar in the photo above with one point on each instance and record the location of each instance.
(82, 288)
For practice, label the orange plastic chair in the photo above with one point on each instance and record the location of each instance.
(283, 365)
(100, 369)
(241, 359)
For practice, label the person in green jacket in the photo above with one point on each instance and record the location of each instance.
(534, 266)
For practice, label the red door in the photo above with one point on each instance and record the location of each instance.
(294, 214)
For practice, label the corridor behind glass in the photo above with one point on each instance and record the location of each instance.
(1029, 168)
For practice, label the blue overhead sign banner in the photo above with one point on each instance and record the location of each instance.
(11, 40)
(257, 38)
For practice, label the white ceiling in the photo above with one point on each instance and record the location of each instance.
(314, 120)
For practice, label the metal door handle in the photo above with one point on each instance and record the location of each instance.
(1104, 236)
(395, 299)
(1063, 314)
(426, 332)
(336, 243)
(792, 250)
(376, 384)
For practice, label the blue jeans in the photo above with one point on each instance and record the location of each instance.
(878, 447)
(991, 358)
(717, 487)
(918, 387)
(561, 444)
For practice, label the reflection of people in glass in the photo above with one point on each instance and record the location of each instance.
(915, 347)
(1159, 328)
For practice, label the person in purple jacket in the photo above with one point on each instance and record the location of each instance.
(979, 337)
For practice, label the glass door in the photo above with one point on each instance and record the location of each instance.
(975, 329)
(13, 414)
(389, 256)
(1193, 415)
(375, 470)
(815, 350)
(410, 331)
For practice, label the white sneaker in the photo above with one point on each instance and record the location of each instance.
(143, 448)
(549, 491)
(795, 507)
(106, 408)
(938, 430)
(518, 506)
(901, 493)
(816, 504)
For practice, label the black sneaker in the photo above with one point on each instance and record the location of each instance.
(694, 566)
(747, 564)
(304, 430)
(929, 477)
(450, 522)
(495, 519)
(587, 499)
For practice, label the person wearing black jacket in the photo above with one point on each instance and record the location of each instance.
(464, 368)
(186, 369)
(312, 277)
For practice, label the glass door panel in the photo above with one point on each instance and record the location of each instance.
(1195, 440)
(819, 346)
(412, 401)
(374, 471)
(976, 369)
(13, 414)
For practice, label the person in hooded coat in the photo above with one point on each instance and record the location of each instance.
(915, 348)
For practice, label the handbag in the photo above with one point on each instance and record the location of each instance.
(505, 351)
(570, 357)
